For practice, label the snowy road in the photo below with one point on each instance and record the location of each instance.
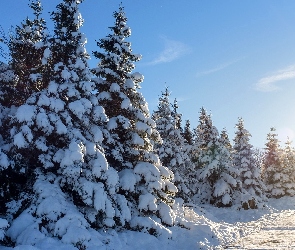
(275, 232)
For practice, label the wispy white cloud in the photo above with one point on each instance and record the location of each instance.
(172, 51)
(183, 98)
(268, 83)
(217, 68)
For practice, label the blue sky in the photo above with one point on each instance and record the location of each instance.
(235, 58)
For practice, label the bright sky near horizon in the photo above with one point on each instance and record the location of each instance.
(235, 58)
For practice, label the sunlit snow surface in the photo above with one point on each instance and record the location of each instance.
(272, 227)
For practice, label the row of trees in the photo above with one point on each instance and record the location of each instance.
(207, 167)
(79, 150)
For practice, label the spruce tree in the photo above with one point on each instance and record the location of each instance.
(196, 148)
(172, 151)
(191, 149)
(233, 190)
(214, 165)
(288, 170)
(129, 149)
(185, 165)
(272, 165)
(29, 51)
(21, 77)
(249, 175)
(57, 137)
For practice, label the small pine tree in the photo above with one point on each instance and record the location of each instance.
(172, 151)
(272, 165)
(288, 169)
(233, 190)
(214, 165)
(249, 175)
(28, 51)
(196, 148)
(183, 157)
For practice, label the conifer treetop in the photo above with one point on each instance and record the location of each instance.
(117, 57)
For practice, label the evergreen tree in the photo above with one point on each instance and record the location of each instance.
(129, 149)
(288, 170)
(272, 165)
(204, 129)
(172, 151)
(22, 76)
(190, 148)
(249, 175)
(196, 148)
(214, 165)
(29, 51)
(185, 165)
(57, 144)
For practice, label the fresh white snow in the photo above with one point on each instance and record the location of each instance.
(199, 227)
(97, 176)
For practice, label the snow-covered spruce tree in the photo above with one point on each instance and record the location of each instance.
(183, 158)
(190, 148)
(253, 189)
(25, 57)
(288, 169)
(58, 134)
(200, 139)
(28, 49)
(22, 76)
(214, 166)
(172, 152)
(27, 72)
(272, 172)
(143, 180)
(227, 157)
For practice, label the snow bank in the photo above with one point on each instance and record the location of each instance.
(205, 227)
(3, 226)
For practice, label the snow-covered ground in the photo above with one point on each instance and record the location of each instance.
(271, 227)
